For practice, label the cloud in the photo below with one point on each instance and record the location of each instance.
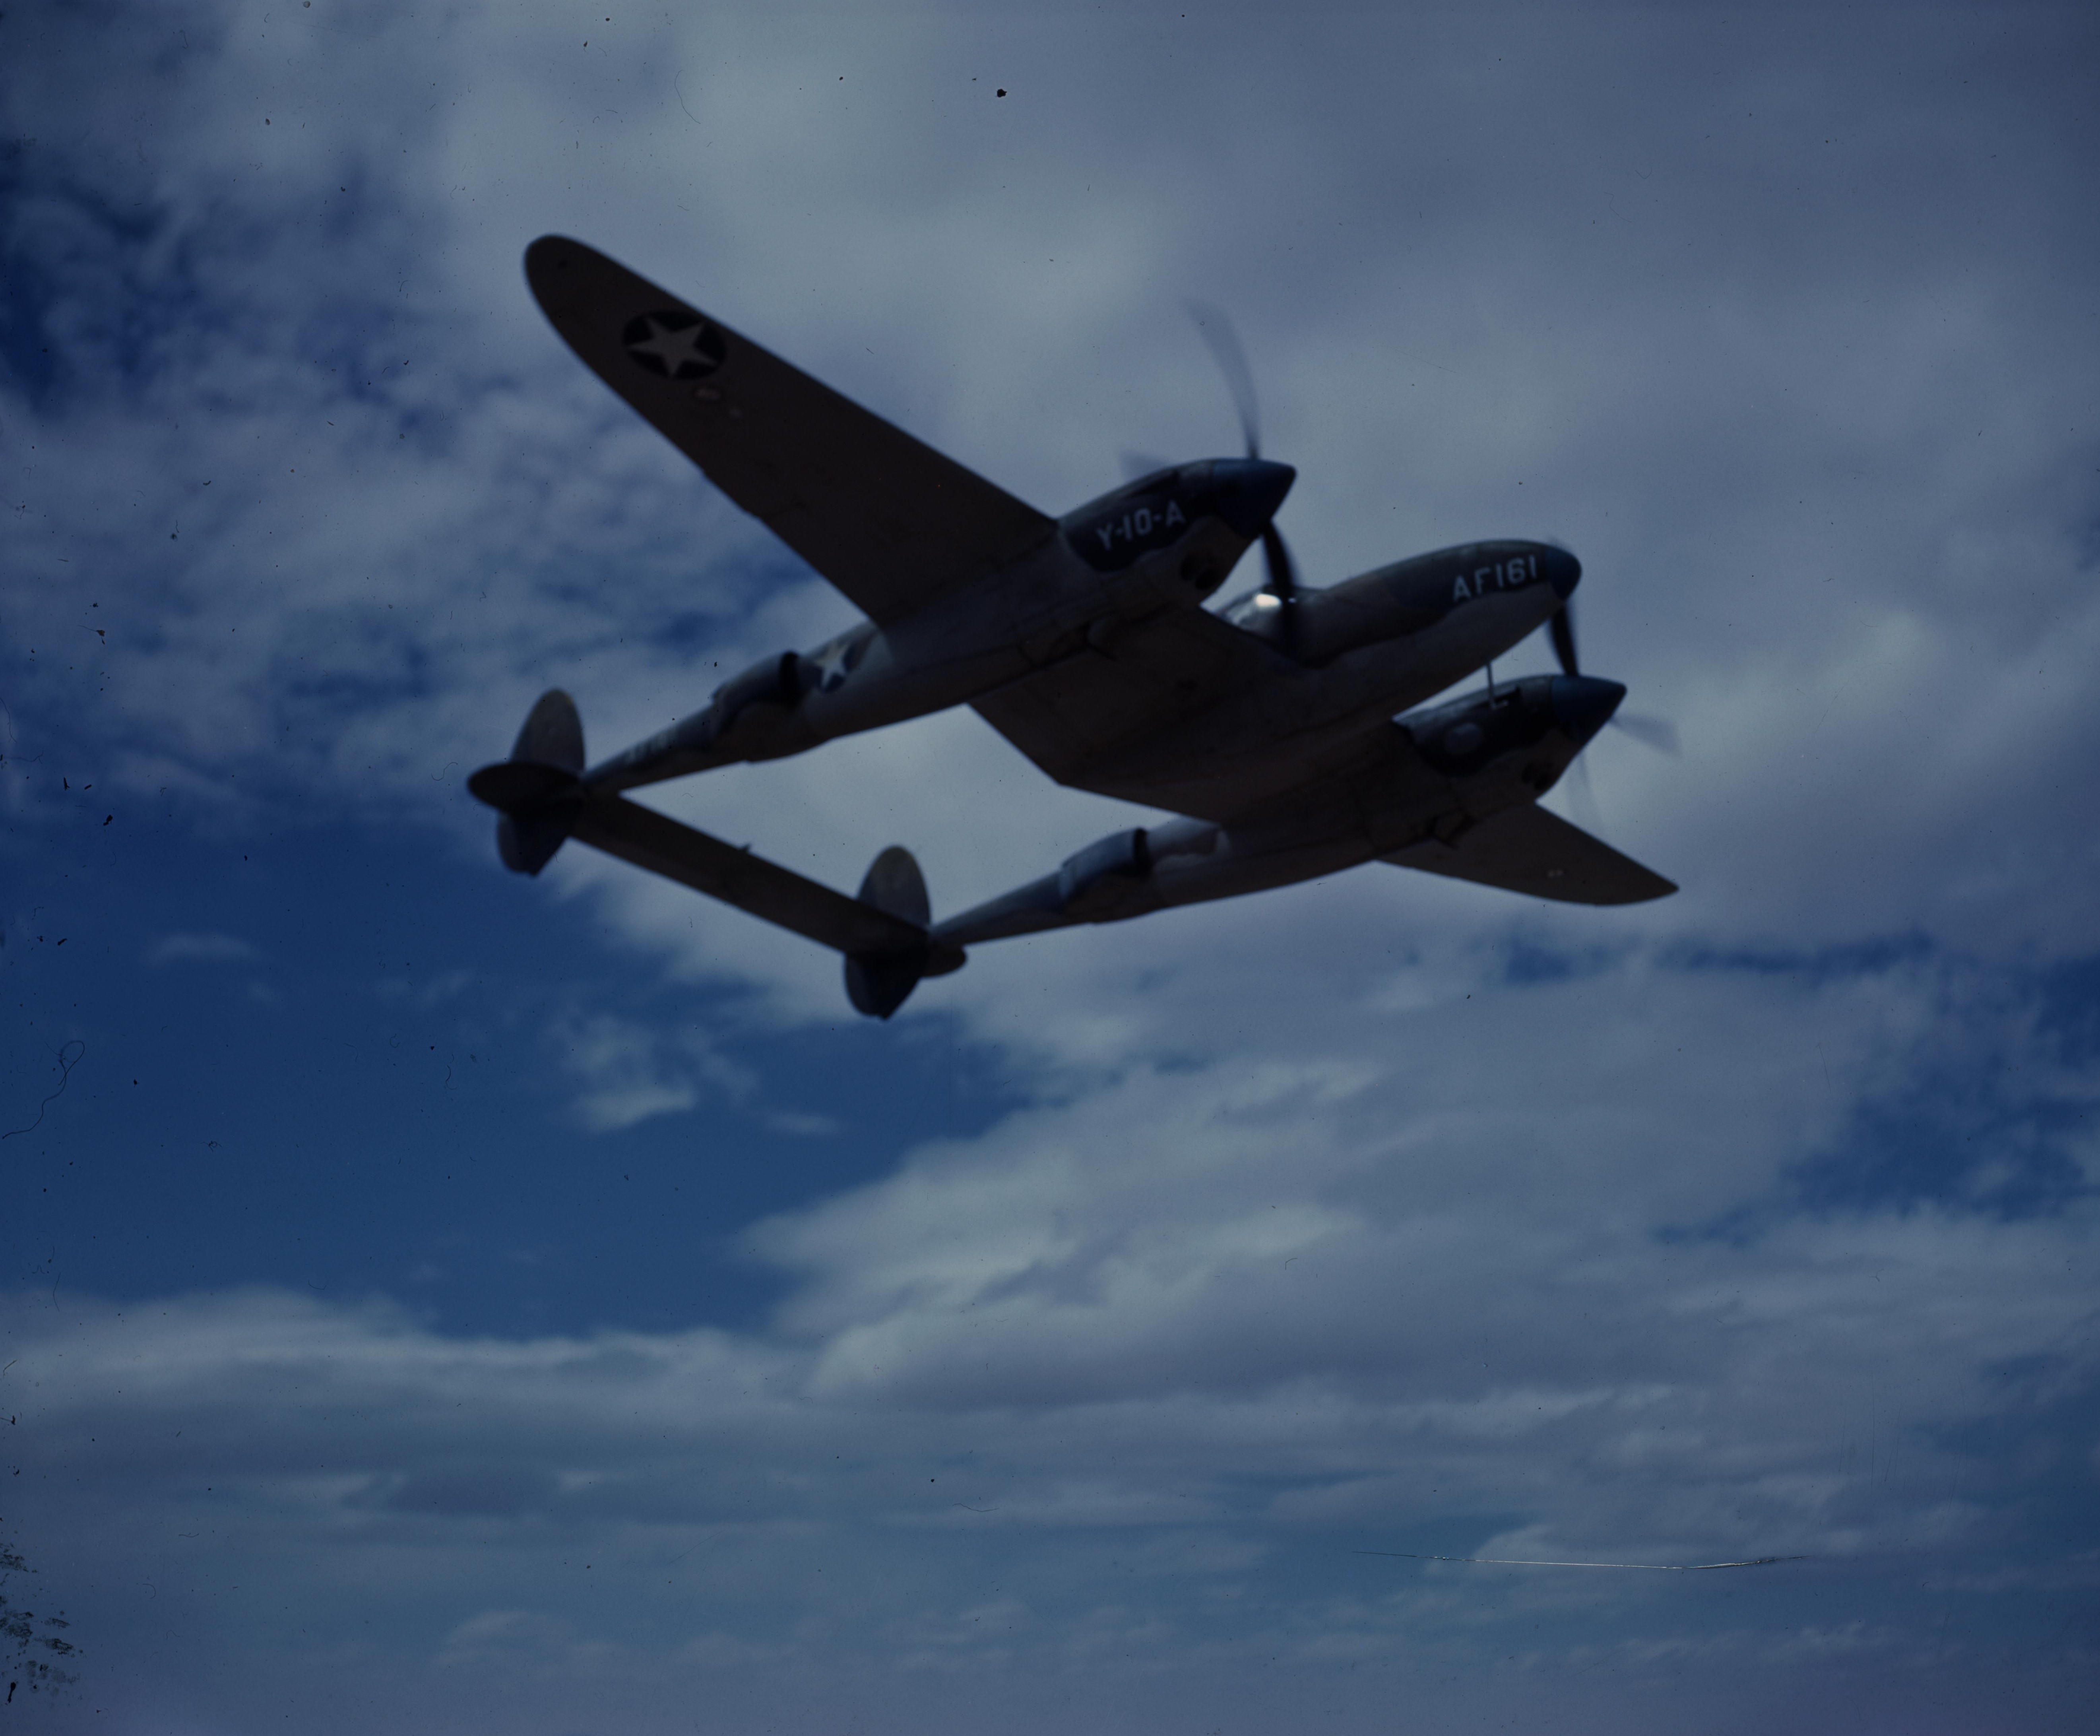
(1795, 471)
(1122, 1383)
(502, 1489)
(200, 949)
(805, 1125)
(1140, 1235)
(1378, 1212)
(630, 1072)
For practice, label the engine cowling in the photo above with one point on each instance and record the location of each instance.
(1093, 884)
(777, 680)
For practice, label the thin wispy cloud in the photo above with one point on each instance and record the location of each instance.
(200, 949)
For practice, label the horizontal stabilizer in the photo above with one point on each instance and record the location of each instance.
(1525, 849)
(662, 845)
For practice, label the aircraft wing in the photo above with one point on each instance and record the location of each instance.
(1077, 718)
(890, 522)
(1525, 849)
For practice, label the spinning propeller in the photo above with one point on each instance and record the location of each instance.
(1657, 733)
(1217, 331)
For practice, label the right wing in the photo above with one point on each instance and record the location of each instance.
(1525, 849)
(890, 522)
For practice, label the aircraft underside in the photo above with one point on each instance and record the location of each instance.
(1268, 732)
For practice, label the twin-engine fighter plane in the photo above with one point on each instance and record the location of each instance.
(1268, 730)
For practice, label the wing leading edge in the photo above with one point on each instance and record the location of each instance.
(890, 522)
(1525, 849)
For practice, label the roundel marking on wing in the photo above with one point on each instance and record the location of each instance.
(834, 661)
(674, 346)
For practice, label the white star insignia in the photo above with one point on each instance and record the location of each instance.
(674, 349)
(831, 664)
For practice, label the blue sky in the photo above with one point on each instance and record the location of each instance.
(439, 1300)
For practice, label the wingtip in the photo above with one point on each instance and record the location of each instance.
(1662, 889)
(550, 264)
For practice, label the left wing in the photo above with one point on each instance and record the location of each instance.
(890, 522)
(1525, 849)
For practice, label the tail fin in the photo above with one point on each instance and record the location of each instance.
(553, 734)
(879, 983)
(539, 789)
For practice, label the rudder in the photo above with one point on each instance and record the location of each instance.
(538, 789)
(878, 983)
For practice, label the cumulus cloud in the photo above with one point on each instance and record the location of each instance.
(1124, 1384)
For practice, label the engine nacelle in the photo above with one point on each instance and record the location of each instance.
(775, 681)
(756, 715)
(1516, 740)
(1095, 883)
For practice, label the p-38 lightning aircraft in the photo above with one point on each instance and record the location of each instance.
(1268, 731)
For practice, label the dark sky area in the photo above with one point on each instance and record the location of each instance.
(439, 1300)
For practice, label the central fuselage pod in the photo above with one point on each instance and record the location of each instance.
(1375, 645)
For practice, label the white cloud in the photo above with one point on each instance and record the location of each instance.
(1123, 1383)
(200, 949)
(630, 1072)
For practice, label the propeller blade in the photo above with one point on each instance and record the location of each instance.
(1282, 574)
(1282, 585)
(1563, 630)
(1658, 732)
(1216, 331)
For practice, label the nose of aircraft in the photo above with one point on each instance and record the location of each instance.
(1562, 572)
(1582, 705)
(1249, 491)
